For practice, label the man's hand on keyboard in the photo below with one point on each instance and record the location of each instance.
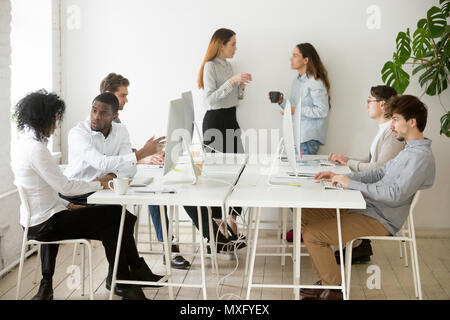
(341, 179)
(325, 175)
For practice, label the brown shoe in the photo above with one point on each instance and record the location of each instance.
(331, 294)
(308, 294)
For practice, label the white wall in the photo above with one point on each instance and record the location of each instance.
(159, 46)
(9, 203)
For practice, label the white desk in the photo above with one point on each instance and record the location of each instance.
(211, 190)
(253, 191)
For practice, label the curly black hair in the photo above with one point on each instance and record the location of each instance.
(39, 111)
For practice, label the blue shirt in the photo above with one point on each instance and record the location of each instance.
(315, 107)
(389, 190)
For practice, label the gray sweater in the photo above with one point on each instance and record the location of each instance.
(389, 190)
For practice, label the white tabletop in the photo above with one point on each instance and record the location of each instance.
(211, 189)
(253, 190)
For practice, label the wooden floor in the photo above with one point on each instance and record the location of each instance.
(396, 279)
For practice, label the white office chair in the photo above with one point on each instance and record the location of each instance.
(407, 234)
(26, 242)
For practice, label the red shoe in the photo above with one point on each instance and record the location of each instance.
(290, 236)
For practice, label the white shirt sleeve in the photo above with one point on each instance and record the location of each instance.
(44, 164)
(122, 164)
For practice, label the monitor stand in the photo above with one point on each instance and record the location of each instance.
(276, 159)
(191, 165)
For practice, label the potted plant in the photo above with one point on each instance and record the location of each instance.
(428, 51)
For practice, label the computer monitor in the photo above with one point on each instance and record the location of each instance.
(175, 128)
(189, 114)
(296, 119)
(177, 139)
(288, 137)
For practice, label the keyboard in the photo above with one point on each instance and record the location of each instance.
(327, 185)
(141, 181)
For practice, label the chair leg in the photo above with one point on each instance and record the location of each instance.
(414, 258)
(91, 275)
(75, 247)
(405, 253)
(38, 262)
(348, 261)
(83, 246)
(249, 239)
(137, 211)
(19, 275)
(177, 224)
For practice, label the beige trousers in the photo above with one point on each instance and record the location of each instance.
(319, 231)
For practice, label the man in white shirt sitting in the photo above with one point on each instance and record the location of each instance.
(118, 85)
(98, 147)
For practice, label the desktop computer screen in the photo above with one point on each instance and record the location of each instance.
(175, 133)
(189, 114)
(288, 137)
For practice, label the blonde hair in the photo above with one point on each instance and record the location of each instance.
(219, 38)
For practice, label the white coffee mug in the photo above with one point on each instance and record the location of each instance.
(120, 185)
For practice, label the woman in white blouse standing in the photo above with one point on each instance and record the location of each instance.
(52, 218)
(222, 90)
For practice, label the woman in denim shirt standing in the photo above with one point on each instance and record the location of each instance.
(313, 87)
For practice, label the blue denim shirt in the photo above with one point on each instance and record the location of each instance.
(315, 107)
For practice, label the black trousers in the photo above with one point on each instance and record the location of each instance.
(192, 212)
(96, 223)
(221, 131)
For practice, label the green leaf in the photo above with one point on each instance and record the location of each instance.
(421, 67)
(436, 21)
(422, 24)
(445, 124)
(393, 75)
(445, 6)
(421, 43)
(434, 80)
(403, 42)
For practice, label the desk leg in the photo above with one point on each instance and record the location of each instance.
(202, 252)
(167, 243)
(249, 238)
(297, 249)
(212, 242)
(284, 213)
(343, 284)
(116, 259)
(254, 245)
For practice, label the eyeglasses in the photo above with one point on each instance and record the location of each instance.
(376, 100)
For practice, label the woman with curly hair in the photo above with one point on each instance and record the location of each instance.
(51, 218)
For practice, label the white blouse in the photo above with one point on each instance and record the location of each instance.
(37, 173)
(218, 93)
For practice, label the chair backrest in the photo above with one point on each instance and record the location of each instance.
(411, 209)
(24, 201)
(414, 201)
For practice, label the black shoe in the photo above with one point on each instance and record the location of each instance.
(178, 262)
(143, 273)
(360, 254)
(45, 291)
(175, 248)
(127, 291)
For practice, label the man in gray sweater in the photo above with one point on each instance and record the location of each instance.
(388, 192)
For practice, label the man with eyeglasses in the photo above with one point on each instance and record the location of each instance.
(384, 147)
